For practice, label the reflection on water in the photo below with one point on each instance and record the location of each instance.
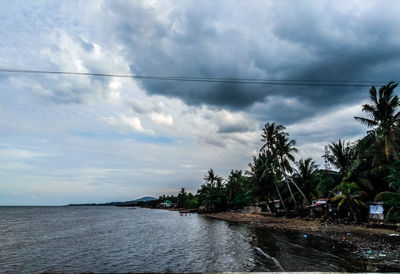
(110, 239)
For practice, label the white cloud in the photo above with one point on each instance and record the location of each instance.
(162, 119)
(124, 123)
(15, 153)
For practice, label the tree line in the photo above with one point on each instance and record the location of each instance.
(365, 170)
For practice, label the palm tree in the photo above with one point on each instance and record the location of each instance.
(342, 156)
(211, 178)
(270, 135)
(304, 176)
(278, 145)
(384, 115)
(261, 172)
(211, 193)
(182, 198)
(350, 197)
(233, 185)
(284, 150)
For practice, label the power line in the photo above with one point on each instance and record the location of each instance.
(286, 82)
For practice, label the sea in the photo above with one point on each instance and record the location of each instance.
(116, 239)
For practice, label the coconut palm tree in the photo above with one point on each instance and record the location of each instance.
(304, 176)
(281, 148)
(211, 178)
(342, 156)
(211, 193)
(182, 198)
(261, 171)
(284, 150)
(233, 185)
(383, 113)
(350, 197)
(270, 135)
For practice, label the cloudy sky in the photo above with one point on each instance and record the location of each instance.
(74, 139)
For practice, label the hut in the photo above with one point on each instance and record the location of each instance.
(376, 211)
(166, 203)
(319, 207)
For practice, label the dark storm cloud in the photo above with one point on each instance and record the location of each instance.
(304, 41)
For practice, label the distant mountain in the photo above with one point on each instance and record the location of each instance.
(145, 199)
(127, 203)
(135, 202)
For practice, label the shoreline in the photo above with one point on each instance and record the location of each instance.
(378, 247)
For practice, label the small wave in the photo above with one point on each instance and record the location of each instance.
(271, 258)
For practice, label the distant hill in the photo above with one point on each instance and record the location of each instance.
(127, 203)
(145, 199)
(135, 202)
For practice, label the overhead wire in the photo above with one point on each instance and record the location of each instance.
(226, 80)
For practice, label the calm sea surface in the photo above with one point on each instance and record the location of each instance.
(111, 239)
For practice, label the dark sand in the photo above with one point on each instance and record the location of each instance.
(378, 247)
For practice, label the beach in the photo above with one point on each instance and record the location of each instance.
(378, 246)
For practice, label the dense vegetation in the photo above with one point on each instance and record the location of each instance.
(365, 170)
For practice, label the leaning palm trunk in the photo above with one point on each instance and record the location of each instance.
(302, 194)
(392, 145)
(291, 193)
(352, 211)
(280, 197)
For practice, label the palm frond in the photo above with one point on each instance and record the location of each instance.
(387, 196)
(367, 122)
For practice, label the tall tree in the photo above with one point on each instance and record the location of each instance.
(211, 178)
(284, 150)
(182, 198)
(270, 135)
(261, 172)
(383, 113)
(342, 156)
(350, 197)
(273, 135)
(211, 194)
(304, 177)
(233, 185)
(281, 148)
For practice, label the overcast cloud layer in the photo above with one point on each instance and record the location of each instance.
(75, 139)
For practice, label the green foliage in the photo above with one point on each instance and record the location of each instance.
(182, 199)
(212, 193)
(393, 215)
(192, 201)
(350, 198)
(304, 176)
(391, 199)
(387, 197)
(327, 181)
(394, 176)
(342, 156)
(384, 114)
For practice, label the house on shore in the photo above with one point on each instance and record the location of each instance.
(166, 203)
(321, 207)
(376, 211)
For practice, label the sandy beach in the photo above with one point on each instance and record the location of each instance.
(377, 245)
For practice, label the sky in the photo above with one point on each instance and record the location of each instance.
(76, 139)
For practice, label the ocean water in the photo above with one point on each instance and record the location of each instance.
(112, 239)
